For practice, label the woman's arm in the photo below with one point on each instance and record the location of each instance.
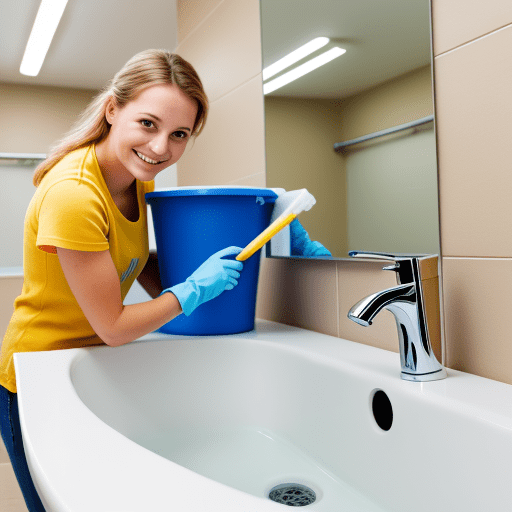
(149, 278)
(95, 284)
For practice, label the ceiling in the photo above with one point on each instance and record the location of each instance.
(383, 39)
(92, 42)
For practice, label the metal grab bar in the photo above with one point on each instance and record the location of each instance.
(341, 145)
(22, 156)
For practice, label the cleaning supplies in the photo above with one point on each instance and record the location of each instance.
(192, 223)
(286, 208)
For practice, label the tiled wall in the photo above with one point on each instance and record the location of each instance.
(473, 84)
(223, 50)
(35, 117)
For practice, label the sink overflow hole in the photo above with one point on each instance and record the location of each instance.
(293, 495)
(382, 410)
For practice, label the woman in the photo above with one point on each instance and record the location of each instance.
(86, 238)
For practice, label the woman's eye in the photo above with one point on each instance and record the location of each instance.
(146, 123)
(180, 135)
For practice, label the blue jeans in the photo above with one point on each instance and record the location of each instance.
(11, 434)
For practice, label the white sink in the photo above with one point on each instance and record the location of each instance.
(172, 423)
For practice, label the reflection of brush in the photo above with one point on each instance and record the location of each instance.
(265, 236)
(287, 206)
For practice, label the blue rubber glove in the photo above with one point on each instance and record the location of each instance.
(301, 245)
(213, 277)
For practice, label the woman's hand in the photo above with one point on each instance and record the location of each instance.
(301, 244)
(213, 277)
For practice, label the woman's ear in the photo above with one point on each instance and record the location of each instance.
(110, 109)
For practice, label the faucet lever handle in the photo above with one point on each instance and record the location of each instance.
(403, 264)
(379, 256)
(372, 255)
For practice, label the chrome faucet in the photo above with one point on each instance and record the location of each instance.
(415, 305)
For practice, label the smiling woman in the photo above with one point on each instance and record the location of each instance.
(149, 68)
(140, 144)
(86, 238)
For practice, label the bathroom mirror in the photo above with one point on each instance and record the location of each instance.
(375, 193)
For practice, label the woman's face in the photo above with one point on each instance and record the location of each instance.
(150, 132)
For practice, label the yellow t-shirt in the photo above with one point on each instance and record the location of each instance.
(73, 209)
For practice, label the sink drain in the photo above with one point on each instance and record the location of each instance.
(293, 495)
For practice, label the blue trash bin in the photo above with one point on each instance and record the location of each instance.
(191, 224)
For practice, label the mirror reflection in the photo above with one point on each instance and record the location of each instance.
(378, 190)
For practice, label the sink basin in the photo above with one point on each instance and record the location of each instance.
(215, 423)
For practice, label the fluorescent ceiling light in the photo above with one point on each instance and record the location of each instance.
(303, 69)
(294, 56)
(45, 25)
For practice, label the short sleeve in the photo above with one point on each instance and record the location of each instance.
(72, 215)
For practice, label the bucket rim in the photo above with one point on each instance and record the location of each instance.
(215, 190)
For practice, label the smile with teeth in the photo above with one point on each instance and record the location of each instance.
(147, 159)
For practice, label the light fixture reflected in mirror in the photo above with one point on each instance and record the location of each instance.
(295, 56)
(303, 69)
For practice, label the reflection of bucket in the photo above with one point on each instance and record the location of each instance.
(192, 223)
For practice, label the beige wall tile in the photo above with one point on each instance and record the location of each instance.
(474, 129)
(357, 280)
(232, 145)
(458, 21)
(191, 13)
(35, 117)
(17, 505)
(225, 48)
(318, 295)
(255, 180)
(299, 292)
(477, 297)
(4, 457)
(11, 499)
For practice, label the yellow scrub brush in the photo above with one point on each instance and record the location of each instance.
(299, 200)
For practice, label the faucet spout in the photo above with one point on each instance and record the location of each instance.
(365, 310)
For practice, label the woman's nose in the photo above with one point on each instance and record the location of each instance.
(160, 145)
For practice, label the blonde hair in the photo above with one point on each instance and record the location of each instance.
(147, 68)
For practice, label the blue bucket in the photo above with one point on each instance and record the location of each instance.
(192, 223)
